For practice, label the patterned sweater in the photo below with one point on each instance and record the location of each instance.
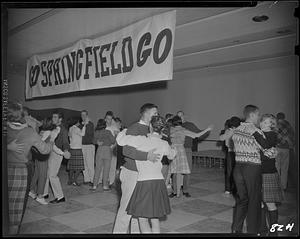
(246, 148)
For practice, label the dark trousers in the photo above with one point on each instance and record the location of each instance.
(248, 182)
(229, 166)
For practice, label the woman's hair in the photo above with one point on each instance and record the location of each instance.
(47, 124)
(117, 119)
(158, 123)
(234, 122)
(101, 124)
(15, 113)
(176, 121)
(272, 120)
(74, 120)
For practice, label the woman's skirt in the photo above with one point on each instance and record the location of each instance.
(76, 160)
(17, 186)
(271, 188)
(180, 163)
(149, 200)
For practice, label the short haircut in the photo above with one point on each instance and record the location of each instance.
(280, 116)
(147, 106)
(158, 123)
(15, 112)
(272, 119)
(109, 113)
(234, 122)
(168, 115)
(180, 111)
(101, 124)
(249, 109)
(176, 121)
(59, 113)
(85, 111)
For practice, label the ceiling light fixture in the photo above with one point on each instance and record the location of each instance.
(261, 18)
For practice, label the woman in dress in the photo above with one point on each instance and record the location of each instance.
(179, 165)
(272, 193)
(75, 163)
(149, 200)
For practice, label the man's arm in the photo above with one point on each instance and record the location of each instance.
(66, 145)
(131, 152)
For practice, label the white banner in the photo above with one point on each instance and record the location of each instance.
(139, 53)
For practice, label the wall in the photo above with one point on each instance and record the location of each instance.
(207, 96)
(211, 96)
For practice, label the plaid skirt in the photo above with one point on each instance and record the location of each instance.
(271, 188)
(76, 160)
(149, 199)
(180, 163)
(17, 185)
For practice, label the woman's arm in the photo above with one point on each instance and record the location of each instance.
(197, 135)
(227, 134)
(130, 140)
(81, 132)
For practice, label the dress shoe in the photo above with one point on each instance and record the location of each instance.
(75, 184)
(58, 200)
(46, 196)
(187, 195)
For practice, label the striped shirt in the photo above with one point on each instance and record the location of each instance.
(246, 148)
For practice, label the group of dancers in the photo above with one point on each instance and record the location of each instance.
(152, 151)
(252, 169)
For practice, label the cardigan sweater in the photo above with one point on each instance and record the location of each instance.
(246, 148)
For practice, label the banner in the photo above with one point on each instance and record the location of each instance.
(139, 53)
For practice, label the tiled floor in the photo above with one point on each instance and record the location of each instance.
(207, 211)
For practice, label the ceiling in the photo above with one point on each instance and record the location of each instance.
(204, 37)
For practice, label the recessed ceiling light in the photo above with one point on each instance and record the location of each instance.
(261, 18)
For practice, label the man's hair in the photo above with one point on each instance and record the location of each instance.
(158, 123)
(15, 112)
(280, 116)
(249, 109)
(147, 106)
(180, 111)
(176, 121)
(109, 113)
(59, 113)
(85, 111)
